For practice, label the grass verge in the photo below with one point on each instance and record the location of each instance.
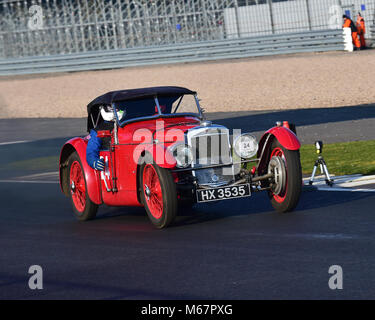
(342, 158)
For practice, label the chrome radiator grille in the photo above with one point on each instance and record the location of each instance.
(211, 146)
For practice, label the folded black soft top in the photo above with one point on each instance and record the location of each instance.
(131, 94)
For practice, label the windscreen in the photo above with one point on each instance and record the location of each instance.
(133, 109)
(185, 104)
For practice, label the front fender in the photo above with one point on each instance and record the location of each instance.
(286, 138)
(91, 176)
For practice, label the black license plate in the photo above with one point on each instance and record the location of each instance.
(223, 193)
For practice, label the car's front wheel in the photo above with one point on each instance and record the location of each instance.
(286, 185)
(158, 194)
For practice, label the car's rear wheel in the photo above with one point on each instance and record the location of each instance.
(287, 182)
(158, 194)
(84, 209)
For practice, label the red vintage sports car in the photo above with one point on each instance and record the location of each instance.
(162, 154)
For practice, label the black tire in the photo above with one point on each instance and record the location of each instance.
(90, 208)
(291, 195)
(168, 195)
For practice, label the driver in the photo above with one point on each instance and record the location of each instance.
(95, 144)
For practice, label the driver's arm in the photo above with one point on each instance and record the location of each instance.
(92, 152)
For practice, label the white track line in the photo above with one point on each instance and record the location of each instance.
(352, 183)
(356, 183)
(319, 188)
(27, 181)
(37, 175)
(12, 142)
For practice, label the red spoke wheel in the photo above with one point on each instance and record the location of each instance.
(83, 207)
(158, 193)
(286, 185)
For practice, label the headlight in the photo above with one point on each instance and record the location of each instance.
(183, 155)
(245, 146)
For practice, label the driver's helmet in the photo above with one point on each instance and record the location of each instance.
(108, 115)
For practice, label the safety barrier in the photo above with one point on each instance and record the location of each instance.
(313, 41)
(372, 32)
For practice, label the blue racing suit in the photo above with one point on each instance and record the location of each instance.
(93, 147)
(95, 144)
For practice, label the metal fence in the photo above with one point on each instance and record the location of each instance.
(312, 41)
(54, 27)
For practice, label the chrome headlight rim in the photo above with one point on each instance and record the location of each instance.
(179, 164)
(235, 145)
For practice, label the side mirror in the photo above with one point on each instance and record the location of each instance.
(104, 134)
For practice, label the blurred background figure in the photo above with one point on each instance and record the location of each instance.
(348, 23)
(361, 30)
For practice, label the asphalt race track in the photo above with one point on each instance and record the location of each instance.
(234, 249)
(330, 124)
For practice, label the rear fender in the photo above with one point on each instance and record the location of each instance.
(91, 176)
(286, 138)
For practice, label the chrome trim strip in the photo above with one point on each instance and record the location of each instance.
(214, 166)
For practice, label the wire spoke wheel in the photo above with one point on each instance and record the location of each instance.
(78, 188)
(83, 207)
(158, 193)
(152, 191)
